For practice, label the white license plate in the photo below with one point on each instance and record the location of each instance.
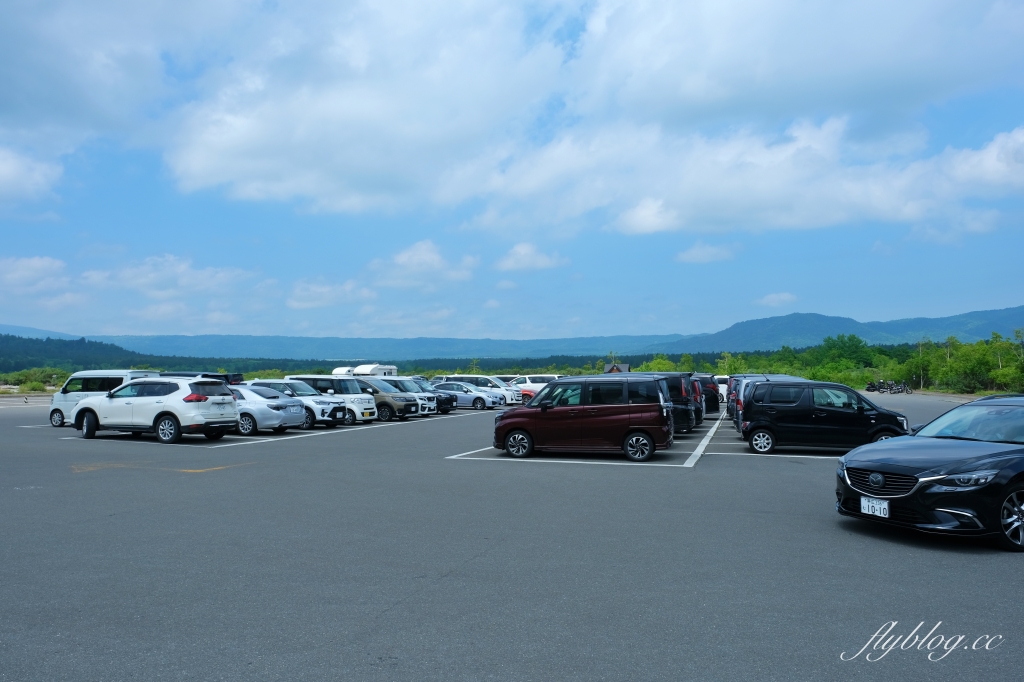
(295, 409)
(875, 507)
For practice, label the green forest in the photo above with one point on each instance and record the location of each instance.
(996, 364)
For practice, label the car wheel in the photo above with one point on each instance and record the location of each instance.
(884, 435)
(1011, 518)
(519, 444)
(247, 425)
(478, 404)
(309, 421)
(89, 425)
(638, 447)
(215, 435)
(385, 413)
(57, 418)
(762, 442)
(280, 429)
(168, 430)
(350, 417)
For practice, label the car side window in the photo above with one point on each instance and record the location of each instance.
(675, 392)
(238, 394)
(834, 398)
(643, 393)
(519, 381)
(760, 392)
(606, 393)
(783, 395)
(566, 394)
(129, 391)
(73, 386)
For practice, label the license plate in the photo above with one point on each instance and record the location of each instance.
(295, 409)
(875, 507)
(367, 414)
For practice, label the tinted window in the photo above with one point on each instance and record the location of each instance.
(268, 393)
(238, 394)
(566, 394)
(786, 395)
(129, 391)
(760, 391)
(643, 393)
(73, 386)
(833, 397)
(209, 388)
(157, 389)
(346, 386)
(101, 384)
(675, 392)
(606, 393)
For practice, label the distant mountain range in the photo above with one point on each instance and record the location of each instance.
(797, 330)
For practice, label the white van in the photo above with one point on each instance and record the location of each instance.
(89, 383)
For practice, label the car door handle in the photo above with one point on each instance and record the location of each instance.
(158, 402)
(591, 411)
(819, 413)
(127, 402)
(770, 410)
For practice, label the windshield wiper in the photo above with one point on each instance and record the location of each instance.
(978, 440)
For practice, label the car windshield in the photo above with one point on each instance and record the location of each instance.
(409, 386)
(993, 423)
(426, 386)
(498, 381)
(301, 388)
(384, 386)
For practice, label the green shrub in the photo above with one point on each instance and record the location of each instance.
(32, 387)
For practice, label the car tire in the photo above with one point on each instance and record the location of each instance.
(89, 425)
(762, 441)
(309, 422)
(518, 444)
(884, 435)
(214, 435)
(1011, 519)
(479, 404)
(350, 418)
(168, 430)
(638, 447)
(57, 418)
(247, 425)
(385, 413)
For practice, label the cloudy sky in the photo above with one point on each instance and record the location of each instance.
(493, 169)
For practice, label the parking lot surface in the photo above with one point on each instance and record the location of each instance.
(415, 551)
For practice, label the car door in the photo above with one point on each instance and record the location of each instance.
(560, 426)
(833, 417)
(117, 409)
(644, 403)
(605, 414)
(789, 411)
(149, 402)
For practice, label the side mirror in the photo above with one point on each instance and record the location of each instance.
(860, 409)
(289, 394)
(110, 394)
(916, 427)
(546, 405)
(330, 391)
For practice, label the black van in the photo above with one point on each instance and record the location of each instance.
(814, 413)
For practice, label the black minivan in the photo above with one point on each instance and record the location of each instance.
(815, 413)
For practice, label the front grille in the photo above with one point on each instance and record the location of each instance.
(894, 486)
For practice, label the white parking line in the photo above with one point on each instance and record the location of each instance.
(462, 458)
(695, 457)
(35, 426)
(758, 454)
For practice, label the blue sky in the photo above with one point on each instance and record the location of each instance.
(506, 170)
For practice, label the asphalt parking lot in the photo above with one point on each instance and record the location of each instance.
(414, 551)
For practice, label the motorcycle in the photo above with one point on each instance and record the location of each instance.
(871, 388)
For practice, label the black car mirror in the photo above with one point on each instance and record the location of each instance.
(466, 390)
(916, 427)
(860, 409)
(546, 405)
(110, 394)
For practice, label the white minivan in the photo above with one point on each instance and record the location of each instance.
(87, 384)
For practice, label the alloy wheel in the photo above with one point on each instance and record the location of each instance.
(638, 447)
(246, 425)
(167, 430)
(518, 445)
(309, 421)
(1012, 517)
(350, 418)
(478, 404)
(57, 418)
(761, 442)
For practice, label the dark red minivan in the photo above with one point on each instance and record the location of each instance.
(595, 413)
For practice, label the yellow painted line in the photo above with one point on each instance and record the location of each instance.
(203, 471)
(86, 468)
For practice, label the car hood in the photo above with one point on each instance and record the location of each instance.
(939, 455)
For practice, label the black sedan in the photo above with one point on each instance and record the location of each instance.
(962, 473)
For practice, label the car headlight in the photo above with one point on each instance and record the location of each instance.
(841, 471)
(401, 399)
(971, 479)
(497, 417)
(904, 423)
(322, 402)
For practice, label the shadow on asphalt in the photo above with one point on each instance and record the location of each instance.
(913, 538)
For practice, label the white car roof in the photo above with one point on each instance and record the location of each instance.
(137, 373)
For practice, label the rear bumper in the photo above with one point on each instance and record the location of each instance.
(210, 426)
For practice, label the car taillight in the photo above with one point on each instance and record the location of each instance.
(739, 404)
(195, 398)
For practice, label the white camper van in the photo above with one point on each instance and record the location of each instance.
(367, 371)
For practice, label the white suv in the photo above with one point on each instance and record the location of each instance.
(162, 406)
(344, 388)
(320, 409)
(87, 384)
(534, 382)
(427, 401)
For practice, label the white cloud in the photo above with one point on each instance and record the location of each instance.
(37, 274)
(319, 293)
(492, 303)
(167, 277)
(506, 284)
(649, 215)
(704, 253)
(777, 300)
(525, 256)
(25, 178)
(420, 266)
